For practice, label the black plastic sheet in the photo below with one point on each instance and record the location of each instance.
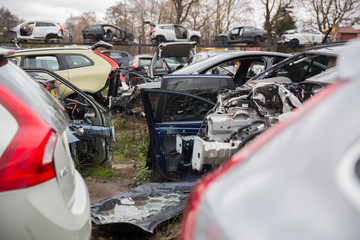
(142, 208)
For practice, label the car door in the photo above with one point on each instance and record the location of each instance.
(181, 33)
(248, 34)
(236, 35)
(173, 119)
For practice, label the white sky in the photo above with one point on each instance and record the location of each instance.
(59, 11)
(55, 10)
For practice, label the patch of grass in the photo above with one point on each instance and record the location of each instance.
(105, 173)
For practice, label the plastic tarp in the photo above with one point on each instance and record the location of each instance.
(142, 208)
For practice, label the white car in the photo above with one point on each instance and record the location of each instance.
(42, 195)
(292, 37)
(173, 33)
(38, 30)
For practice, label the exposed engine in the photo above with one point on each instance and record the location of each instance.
(237, 118)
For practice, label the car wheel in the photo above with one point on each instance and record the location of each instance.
(195, 39)
(258, 39)
(295, 42)
(160, 39)
(50, 36)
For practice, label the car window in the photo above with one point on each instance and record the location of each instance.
(205, 87)
(43, 61)
(44, 24)
(166, 27)
(77, 61)
(145, 62)
(235, 31)
(309, 66)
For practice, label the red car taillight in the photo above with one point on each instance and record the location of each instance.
(112, 62)
(153, 31)
(28, 159)
(190, 214)
(61, 27)
(136, 64)
(265, 32)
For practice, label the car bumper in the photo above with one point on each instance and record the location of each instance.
(40, 212)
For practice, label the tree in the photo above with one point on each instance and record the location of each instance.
(7, 20)
(327, 13)
(182, 9)
(283, 19)
(75, 24)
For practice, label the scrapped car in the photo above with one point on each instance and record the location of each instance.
(240, 65)
(38, 30)
(294, 38)
(297, 180)
(306, 64)
(136, 69)
(107, 33)
(91, 71)
(91, 133)
(204, 136)
(243, 34)
(43, 196)
(173, 33)
(120, 57)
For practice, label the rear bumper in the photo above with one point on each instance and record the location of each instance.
(40, 212)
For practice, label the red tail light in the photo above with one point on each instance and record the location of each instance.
(28, 158)
(153, 31)
(61, 28)
(114, 65)
(189, 219)
(136, 64)
(265, 32)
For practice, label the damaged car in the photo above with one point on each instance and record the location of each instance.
(91, 71)
(90, 131)
(173, 32)
(300, 180)
(107, 33)
(243, 34)
(198, 134)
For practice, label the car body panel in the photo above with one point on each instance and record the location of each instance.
(292, 37)
(120, 57)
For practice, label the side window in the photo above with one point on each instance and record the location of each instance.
(47, 62)
(14, 61)
(306, 67)
(185, 109)
(235, 31)
(205, 87)
(78, 61)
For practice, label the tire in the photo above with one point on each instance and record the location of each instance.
(195, 39)
(258, 39)
(295, 42)
(160, 39)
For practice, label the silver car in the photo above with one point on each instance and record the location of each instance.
(42, 195)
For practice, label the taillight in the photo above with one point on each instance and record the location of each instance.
(28, 158)
(265, 32)
(61, 27)
(136, 64)
(112, 62)
(190, 214)
(133, 79)
(153, 31)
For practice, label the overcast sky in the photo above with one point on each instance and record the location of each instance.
(56, 10)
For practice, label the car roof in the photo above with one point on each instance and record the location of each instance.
(52, 49)
(221, 57)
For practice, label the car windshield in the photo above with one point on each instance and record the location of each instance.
(203, 64)
(144, 61)
(308, 66)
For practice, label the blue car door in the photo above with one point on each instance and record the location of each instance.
(174, 119)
